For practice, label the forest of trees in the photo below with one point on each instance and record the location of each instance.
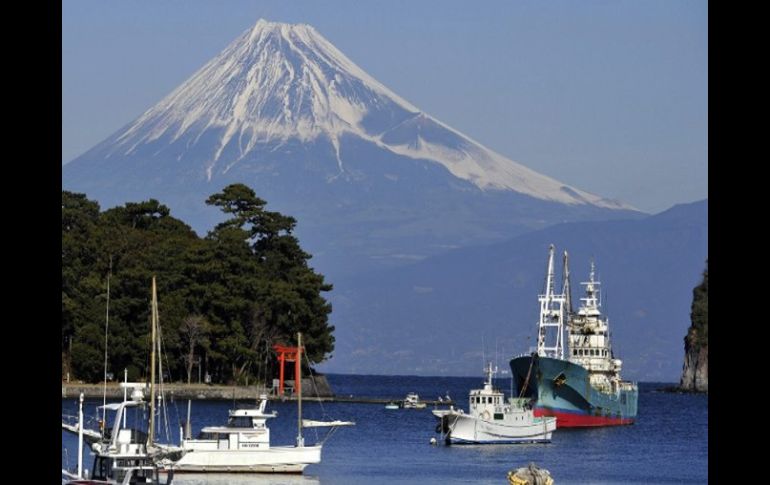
(223, 299)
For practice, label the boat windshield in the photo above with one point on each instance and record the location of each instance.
(239, 422)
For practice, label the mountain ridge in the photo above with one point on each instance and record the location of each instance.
(280, 81)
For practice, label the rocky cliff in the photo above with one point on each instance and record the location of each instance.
(695, 374)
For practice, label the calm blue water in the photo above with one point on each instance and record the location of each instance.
(668, 444)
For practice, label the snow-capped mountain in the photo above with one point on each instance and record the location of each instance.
(284, 111)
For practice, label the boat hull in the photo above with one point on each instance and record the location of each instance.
(466, 429)
(562, 389)
(279, 459)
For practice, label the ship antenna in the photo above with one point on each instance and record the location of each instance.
(483, 351)
(566, 289)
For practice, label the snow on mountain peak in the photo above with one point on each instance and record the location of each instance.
(280, 81)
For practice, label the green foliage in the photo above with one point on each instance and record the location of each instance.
(698, 334)
(224, 300)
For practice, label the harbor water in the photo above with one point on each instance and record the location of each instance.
(668, 443)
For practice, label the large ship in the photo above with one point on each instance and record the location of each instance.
(584, 387)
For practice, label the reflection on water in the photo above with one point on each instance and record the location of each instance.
(243, 479)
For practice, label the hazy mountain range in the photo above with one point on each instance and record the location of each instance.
(434, 316)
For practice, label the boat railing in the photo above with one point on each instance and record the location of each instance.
(90, 421)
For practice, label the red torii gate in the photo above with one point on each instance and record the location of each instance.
(288, 354)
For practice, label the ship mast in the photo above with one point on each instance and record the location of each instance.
(106, 333)
(551, 316)
(298, 385)
(566, 289)
(490, 374)
(154, 310)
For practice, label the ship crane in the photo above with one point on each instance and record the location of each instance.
(550, 342)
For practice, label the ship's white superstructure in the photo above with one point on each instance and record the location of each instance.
(589, 340)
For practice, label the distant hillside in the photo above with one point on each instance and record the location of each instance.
(433, 316)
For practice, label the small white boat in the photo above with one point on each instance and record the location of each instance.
(412, 401)
(391, 405)
(493, 420)
(243, 444)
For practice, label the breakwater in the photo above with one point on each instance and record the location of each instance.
(317, 389)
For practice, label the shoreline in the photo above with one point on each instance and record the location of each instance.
(220, 392)
(311, 388)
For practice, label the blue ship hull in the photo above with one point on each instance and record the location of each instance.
(562, 389)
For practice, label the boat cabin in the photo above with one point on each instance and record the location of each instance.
(246, 429)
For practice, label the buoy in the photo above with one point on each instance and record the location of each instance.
(433, 440)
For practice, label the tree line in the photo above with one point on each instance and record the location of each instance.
(224, 299)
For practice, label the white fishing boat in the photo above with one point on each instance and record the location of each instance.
(493, 420)
(124, 455)
(412, 401)
(392, 405)
(243, 444)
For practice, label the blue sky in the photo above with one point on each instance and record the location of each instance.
(608, 96)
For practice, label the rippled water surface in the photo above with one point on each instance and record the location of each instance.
(668, 444)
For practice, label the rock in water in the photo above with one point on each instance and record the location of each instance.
(530, 475)
(695, 373)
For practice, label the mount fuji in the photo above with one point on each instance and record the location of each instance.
(372, 180)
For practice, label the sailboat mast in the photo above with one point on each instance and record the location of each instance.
(106, 333)
(80, 437)
(154, 310)
(298, 385)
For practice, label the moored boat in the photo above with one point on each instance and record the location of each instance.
(125, 455)
(412, 401)
(493, 420)
(243, 444)
(582, 388)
